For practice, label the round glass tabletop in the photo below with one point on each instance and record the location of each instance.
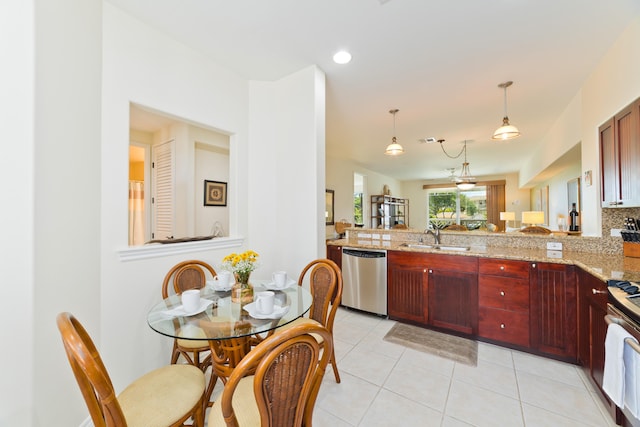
(219, 318)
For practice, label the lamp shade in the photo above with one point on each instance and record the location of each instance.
(394, 149)
(507, 216)
(533, 217)
(506, 131)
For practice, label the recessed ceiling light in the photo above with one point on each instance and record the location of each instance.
(342, 57)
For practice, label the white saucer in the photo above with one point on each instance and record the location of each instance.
(215, 287)
(272, 286)
(278, 311)
(180, 311)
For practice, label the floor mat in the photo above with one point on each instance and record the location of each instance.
(449, 346)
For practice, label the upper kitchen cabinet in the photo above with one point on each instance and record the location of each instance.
(389, 212)
(620, 158)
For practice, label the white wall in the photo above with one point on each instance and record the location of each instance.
(67, 105)
(17, 109)
(286, 170)
(340, 179)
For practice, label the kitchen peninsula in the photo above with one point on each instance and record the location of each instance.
(504, 288)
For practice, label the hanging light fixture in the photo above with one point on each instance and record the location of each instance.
(506, 131)
(394, 149)
(465, 181)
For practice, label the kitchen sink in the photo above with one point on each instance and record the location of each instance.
(418, 246)
(437, 246)
(452, 248)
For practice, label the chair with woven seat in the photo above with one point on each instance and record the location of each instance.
(184, 276)
(167, 396)
(325, 284)
(277, 383)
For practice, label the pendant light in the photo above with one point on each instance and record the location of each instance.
(394, 149)
(465, 181)
(506, 131)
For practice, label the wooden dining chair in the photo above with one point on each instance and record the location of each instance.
(287, 369)
(184, 276)
(325, 284)
(167, 396)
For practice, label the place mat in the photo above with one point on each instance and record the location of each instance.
(449, 346)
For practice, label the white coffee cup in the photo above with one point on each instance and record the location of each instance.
(264, 302)
(222, 280)
(280, 279)
(191, 300)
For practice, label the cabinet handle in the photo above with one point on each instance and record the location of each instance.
(501, 325)
(430, 271)
(425, 270)
(533, 265)
(502, 267)
(595, 291)
(501, 293)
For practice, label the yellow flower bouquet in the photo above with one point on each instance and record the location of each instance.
(241, 265)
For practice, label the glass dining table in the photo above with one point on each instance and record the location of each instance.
(231, 329)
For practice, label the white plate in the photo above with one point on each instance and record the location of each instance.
(272, 286)
(215, 287)
(278, 311)
(180, 311)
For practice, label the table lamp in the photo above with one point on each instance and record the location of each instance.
(532, 219)
(507, 216)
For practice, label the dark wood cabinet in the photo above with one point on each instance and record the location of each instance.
(453, 293)
(554, 310)
(620, 158)
(592, 329)
(433, 290)
(407, 287)
(503, 299)
(334, 253)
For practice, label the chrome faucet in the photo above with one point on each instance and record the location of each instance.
(435, 233)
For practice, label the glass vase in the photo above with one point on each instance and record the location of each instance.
(242, 290)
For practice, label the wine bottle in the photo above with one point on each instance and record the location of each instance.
(573, 219)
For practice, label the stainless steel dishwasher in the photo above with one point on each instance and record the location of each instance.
(364, 275)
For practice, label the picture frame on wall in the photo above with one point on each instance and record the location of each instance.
(215, 193)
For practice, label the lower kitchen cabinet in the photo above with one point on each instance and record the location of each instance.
(453, 293)
(554, 310)
(503, 298)
(407, 290)
(522, 304)
(433, 290)
(592, 329)
(334, 253)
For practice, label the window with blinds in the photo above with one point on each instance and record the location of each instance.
(163, 190)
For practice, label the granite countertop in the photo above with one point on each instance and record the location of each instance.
(604, 266)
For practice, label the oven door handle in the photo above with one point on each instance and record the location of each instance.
(609, 319)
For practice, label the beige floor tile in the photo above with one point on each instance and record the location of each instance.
(376, 344)
(448, 421)
(390, 409)
(419, 384)
(560, 398)
(495, 354)
(322, 418)
(349, 400)
(482, 408)
(490, 376)
(367, 365)
(536, 417)
(549, 368)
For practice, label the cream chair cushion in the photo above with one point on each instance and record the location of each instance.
(162, 396)
(244, 406)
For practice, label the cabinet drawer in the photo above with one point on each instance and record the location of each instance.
(506, 326)
(501, 267)
(503, 292)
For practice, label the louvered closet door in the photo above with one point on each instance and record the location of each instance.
(163, 190)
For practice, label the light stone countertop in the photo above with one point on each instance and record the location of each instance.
(602, 265)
